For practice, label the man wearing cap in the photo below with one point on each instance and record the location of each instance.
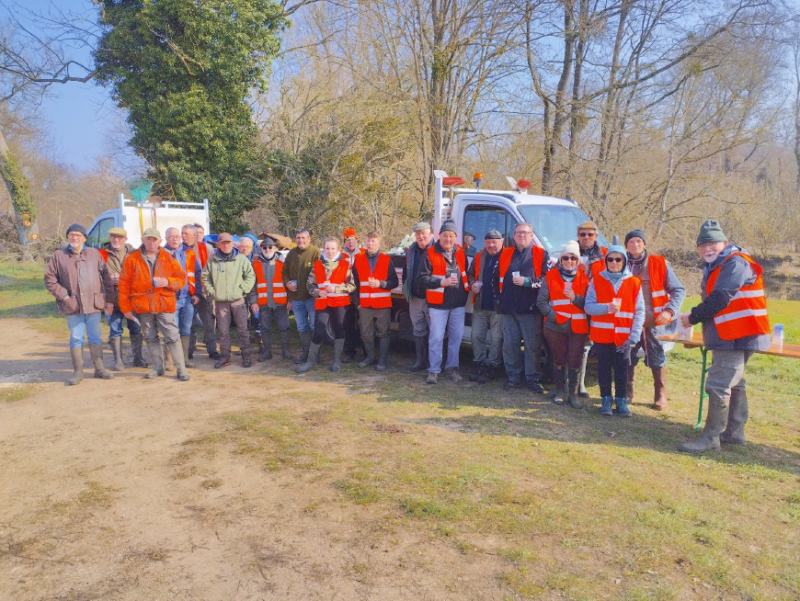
(192, 237)
(114, 253)
(487, 323)
(298, 265)
(375, 278)
(592, 261)
(190, 294)
(228, 278)
(78, 278)
(415, 294)
(267, 299)
(733, 312)
(663, 296)
(149, 281)
(443, 275)
(516, 282)
(352, 334)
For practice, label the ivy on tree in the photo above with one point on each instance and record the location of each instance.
(185, 71)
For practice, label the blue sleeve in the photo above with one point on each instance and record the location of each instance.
(591, 306)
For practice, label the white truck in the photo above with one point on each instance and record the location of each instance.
(555, 222)
(135, 217)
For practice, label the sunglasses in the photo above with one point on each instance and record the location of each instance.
(614, 259)
(570, 259)
(267, 246)
(587, 234)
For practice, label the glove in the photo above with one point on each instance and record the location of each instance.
(625, 350)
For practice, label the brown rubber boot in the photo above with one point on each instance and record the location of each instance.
(660, 386)
(715, 424)
(630, 385)
(116, 348)
(185, 348)
(176, 350)
(76, 353)
(168, 365)
(96, 352)
(737, 417)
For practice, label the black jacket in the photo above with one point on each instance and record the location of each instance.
(520, 299)
(454, 296)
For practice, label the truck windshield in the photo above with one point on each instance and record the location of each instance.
(555, 225)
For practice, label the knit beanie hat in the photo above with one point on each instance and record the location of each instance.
(635, 234)
(710, 231)
(571, 248)
(77, 227)
(448, 226)
(252, 236)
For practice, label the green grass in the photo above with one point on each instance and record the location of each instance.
(566, 503)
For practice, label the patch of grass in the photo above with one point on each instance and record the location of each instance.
(360, 492)
(95, 495)
(16, 392)
(211, 483)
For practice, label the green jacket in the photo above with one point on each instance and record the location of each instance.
(228, 279)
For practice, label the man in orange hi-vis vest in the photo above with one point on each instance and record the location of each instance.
(443, 276)
(268, 298)
(375, 278)
(735, 324)
(663, 296)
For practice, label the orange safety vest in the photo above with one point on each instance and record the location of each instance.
(203, 253)
(562, 305)
(657, 268)
(614, 327)
(505, 262)
(439, 265)
(190, 262)
(278, 289)
(104, 253)
(746, 314)
(339, 275)
(375, 298)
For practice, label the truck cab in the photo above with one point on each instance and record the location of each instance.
(555, 222)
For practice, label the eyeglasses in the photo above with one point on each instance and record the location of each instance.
(614, 259)
(587, 234)
(267, 246)
(570, 259)
(523, 233)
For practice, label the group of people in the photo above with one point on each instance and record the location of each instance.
(617, 300)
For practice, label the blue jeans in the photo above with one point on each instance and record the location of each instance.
(452, 321)
(184, 314)
(115, 323)
(89, 324)
(304, 314)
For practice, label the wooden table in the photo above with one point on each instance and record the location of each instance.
(786, 350)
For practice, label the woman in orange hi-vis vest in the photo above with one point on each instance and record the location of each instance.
(566, 327)
(614, 300)
(330, 284)
(735, 324)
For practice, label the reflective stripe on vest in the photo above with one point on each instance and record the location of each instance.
(562, 305)
(338, 277)
(614, 327)
(439, 268)
(190, 262)
(375, 298)
(278, 289)
(746, 314)
(505, 262)
(657, 268)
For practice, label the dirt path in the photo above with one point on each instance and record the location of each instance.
(103, 498)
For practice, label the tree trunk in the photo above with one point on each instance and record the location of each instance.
(24, 211)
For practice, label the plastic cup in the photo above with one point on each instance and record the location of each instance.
(567, 286)
(617, 302)
(479, 284)
(515, 274)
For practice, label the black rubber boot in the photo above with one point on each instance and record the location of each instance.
(312, 357)
(136, 346)
(338, 347)
(383, 346)
(582, 392)
(285, 345)
(558, 395)
(369, 354)
(305, 343)
(572, 388)
(421, 345)
(266, 346)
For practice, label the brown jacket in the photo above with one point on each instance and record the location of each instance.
(83, 276)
